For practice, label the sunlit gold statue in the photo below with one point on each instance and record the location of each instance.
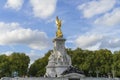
(59, 32)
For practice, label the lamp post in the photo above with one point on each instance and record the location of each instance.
(90, 73)
(97, 73)
(113, 73)
(0, 73)
(109, 75)
(15, 74)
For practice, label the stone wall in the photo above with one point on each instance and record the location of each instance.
(42, 78)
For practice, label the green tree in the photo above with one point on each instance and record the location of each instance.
(38, 67)
(116, 63)
(102, 62)
(19, 62)
(4, 66)
(91, 62)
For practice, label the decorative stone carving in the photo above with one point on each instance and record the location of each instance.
(59, 60)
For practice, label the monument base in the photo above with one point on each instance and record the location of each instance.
(59, 61)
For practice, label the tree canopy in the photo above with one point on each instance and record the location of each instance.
(16, 62)
(102, 62)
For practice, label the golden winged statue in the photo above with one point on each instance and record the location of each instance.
(59, 32)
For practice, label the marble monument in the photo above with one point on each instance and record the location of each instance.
(59, 60)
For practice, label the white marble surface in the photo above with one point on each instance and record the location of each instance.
(59, 60)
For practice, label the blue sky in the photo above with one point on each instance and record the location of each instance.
(29, 25)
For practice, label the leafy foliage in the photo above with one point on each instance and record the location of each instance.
(100, 62)
(91, 62)
(4, 66)
(16, 62)
(38, 67)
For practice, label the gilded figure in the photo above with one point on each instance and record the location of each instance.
(59, 32)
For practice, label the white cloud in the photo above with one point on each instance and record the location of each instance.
(86, 41)
(13, 34)
(43, 8)
(34, 56)
(14, 4)
(109, 19)
(110, 43)
(7, 53)
(94, 42)
(93, 8)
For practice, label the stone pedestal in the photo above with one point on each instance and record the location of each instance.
(59, 60)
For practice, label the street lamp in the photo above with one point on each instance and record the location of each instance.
(90, 73)
(15, 74)
(97, 73)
